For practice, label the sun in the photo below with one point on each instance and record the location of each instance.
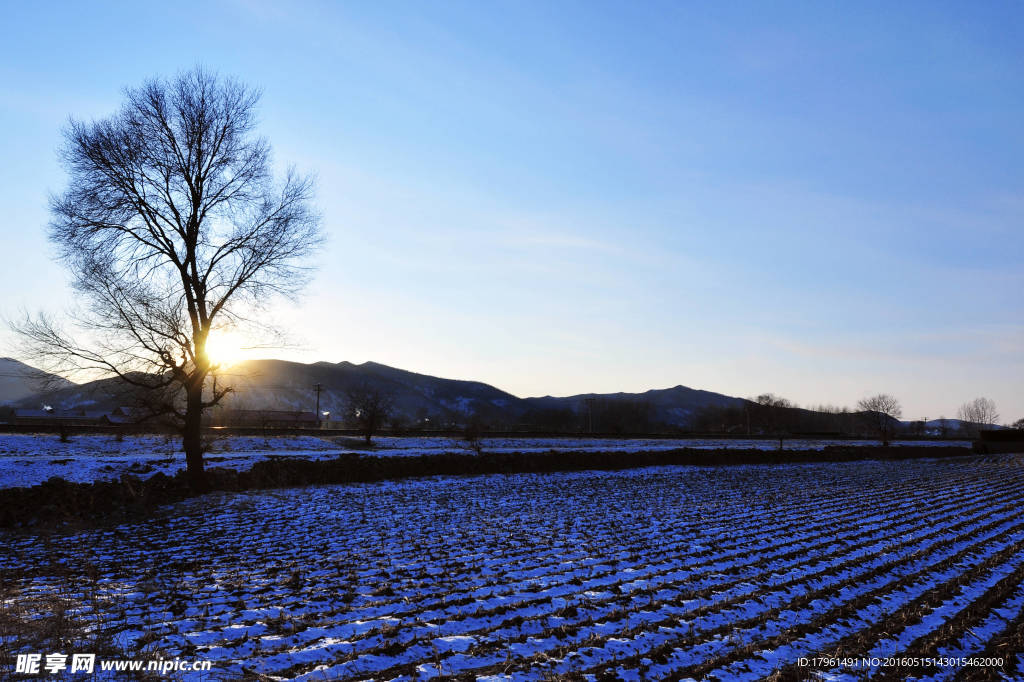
(226, 348)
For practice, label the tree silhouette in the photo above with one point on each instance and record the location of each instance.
(172, 227)
(879, 412)
(368, 408)
(977, 414)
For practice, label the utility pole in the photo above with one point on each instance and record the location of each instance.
(318, 388)
(590, 413)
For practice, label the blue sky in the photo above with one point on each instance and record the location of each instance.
(823, 200)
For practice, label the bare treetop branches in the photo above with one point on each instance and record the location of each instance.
(171, 225)
(176, 186)
(978, 413)
(368, 408)
(881, 411)
(882, 403)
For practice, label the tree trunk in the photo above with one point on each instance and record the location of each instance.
(192, 440)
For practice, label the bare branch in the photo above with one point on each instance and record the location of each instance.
(171, 225)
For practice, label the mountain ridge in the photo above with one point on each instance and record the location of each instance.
(428, 401)
(19, 381)
(273, 384)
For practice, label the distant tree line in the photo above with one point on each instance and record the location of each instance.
(877, 416)
(771, 415)
(766, 415)
(978, 414)
(371, 411)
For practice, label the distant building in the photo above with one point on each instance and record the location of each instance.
(32, 417)
(129, 415)
(264, 418)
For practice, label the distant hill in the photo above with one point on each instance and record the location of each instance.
(283, 385)
(425, 401)
(954, 424)
(675, 406)
(418, 398)
(939, 426)
(19, 381)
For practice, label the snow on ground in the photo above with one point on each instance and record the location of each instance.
(27, 460)
(658, 573)
(31, 459)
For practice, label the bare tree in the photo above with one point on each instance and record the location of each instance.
(1019, 424)
(772, 400)
(772, 413)
(978, 413)
(368, 408)
(172, 227)
(880, 411)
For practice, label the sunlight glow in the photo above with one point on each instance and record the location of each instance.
(227, 348)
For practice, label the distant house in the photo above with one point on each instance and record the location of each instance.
(129, 415)
(264, 418)
(22, 414)
(44, 417)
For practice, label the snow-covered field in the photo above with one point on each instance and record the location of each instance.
(27, 460)
(660, 573)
